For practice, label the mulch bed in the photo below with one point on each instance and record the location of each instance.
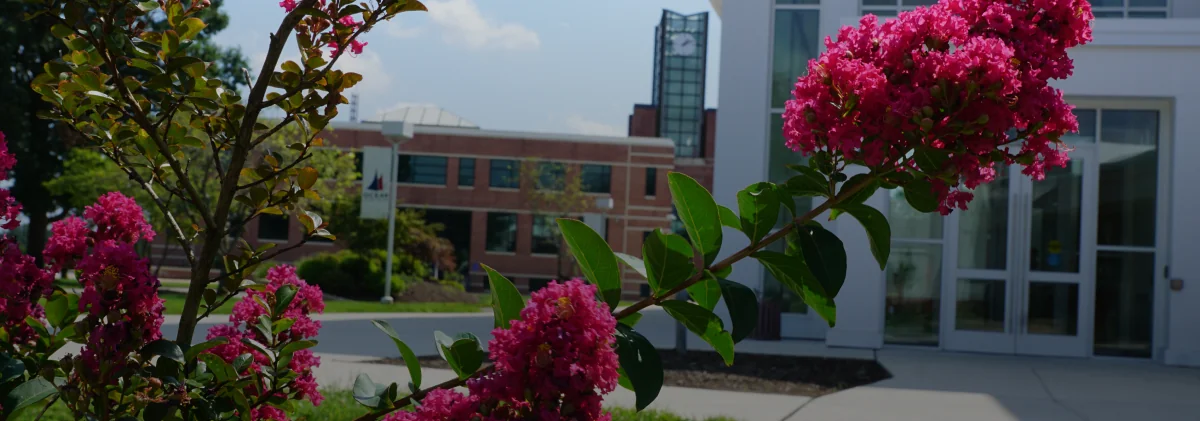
(801, 376)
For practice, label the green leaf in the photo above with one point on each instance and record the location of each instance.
(872, 185)
(729, 218)
(631, 320)
(462, 352)
(410, 359)
(63, 31)
(147, 6)
(668, 261)
(879, 232)
(283, 298)
(791, 271)
(164, 349)
(824, 255)
(699, 214)
(242, 361)
(919, 194)
(28, 393)
(506, 299)
(100, 96)
(62, 309)
(704, 324)
(10, 368)
(743, 308)
(220, 369)
(170, 43)
(930, 159)
(297, 346)
(707, 292)
(196, 349)
(810, 182)
(595, 258)
(191, 27)
(258, 346)
(634, 263)
(367, 393)
(641, 364)
(759, 207)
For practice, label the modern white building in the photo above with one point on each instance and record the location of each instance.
(1102, 259)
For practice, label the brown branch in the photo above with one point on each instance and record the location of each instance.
(264, 258)
(407, 400)
(162, 206)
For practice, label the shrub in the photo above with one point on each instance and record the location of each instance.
(349, 274)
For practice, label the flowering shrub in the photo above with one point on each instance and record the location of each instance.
(554, 362)
(936, 91)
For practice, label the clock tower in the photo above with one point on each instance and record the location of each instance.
(680, 54)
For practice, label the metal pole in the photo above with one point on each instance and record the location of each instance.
(391, 238)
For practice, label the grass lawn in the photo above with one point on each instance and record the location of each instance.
(174, 304)
(340, 405)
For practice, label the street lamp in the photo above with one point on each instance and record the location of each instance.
(396, 132)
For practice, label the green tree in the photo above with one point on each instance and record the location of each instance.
(553, 190)
(414, 235)
(41, 145)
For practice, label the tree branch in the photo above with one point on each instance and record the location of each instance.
(162, 206)
(408, 400)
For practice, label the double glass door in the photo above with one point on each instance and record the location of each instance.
(1020, 263)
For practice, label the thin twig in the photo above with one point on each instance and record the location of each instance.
(46, 408)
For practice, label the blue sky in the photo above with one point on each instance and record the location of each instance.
(532, 65)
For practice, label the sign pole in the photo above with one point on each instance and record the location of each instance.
(391, 236)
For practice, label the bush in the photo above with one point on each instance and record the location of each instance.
(349, 274)
(436, 292)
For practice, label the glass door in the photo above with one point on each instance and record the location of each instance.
(1020, 266)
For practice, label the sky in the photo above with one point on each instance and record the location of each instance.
(566, 66)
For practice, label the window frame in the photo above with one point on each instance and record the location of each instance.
(546, 242)
(410, 169)
(488, 241)
(512, 170)
(605, 175)
(651, 181)
(470, 178)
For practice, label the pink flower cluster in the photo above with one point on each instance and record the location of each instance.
(9, 208)
(118, 220)
(307, 301)
(346, 24)
(952, 79)
(554, 363)
(120, 303)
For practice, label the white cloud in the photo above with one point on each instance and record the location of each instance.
(395, 29)
(462, 23)
(581, 125)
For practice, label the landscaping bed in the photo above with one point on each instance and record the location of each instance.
(788, 375)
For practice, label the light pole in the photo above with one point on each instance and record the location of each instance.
(396, 132)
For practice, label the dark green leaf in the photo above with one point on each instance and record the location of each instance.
(879, 233)
(634, 263)
(258, 346)
(463, 353)
(10, 368)
(668, 261)
(699, 214)
(147, 6)
(296, 346)
(824, 255)
(506, 299)
(743, 308)
(242, 361)
(631, 320)
(729, 218)
(791, 271)
(704, 324)
(919, 194)
(641, 364)
(164, 349)
(872, 185)
(283, 297)
(366, 392)
(759, 207)
(810, 182)
(28, 393)
(410, 359)
(595, 258)
(196, 349)
(218, 367)
(62, 309)
(930, 159)
(707, 292)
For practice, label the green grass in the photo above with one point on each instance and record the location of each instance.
(340, 405)
(174, 304)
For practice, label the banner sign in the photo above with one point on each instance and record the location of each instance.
(375, 171)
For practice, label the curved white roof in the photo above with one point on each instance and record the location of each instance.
(424, 115)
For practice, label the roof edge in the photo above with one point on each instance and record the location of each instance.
(506, 134)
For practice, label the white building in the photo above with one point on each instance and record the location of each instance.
(1101, 259)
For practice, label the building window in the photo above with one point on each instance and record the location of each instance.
(421, 169)
(501, 232)
(503, 173)
(273, 227)
(538, 283)
(651, 181)
(466, 172)
(913, 276)
(1133, 9)
(551, 176)
(596, 178)
(888, 8)
(545, 240)
(795, 43)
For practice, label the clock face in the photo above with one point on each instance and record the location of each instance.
(683, 44)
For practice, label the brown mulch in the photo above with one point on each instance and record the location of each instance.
(801, 376)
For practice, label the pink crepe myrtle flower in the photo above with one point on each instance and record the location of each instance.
(288, 5)
(118, 217)
(22, 285)
(68, 241)
(9, 208)
(953, 78)
(554, 363)
(120, 304)
(307, 301)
